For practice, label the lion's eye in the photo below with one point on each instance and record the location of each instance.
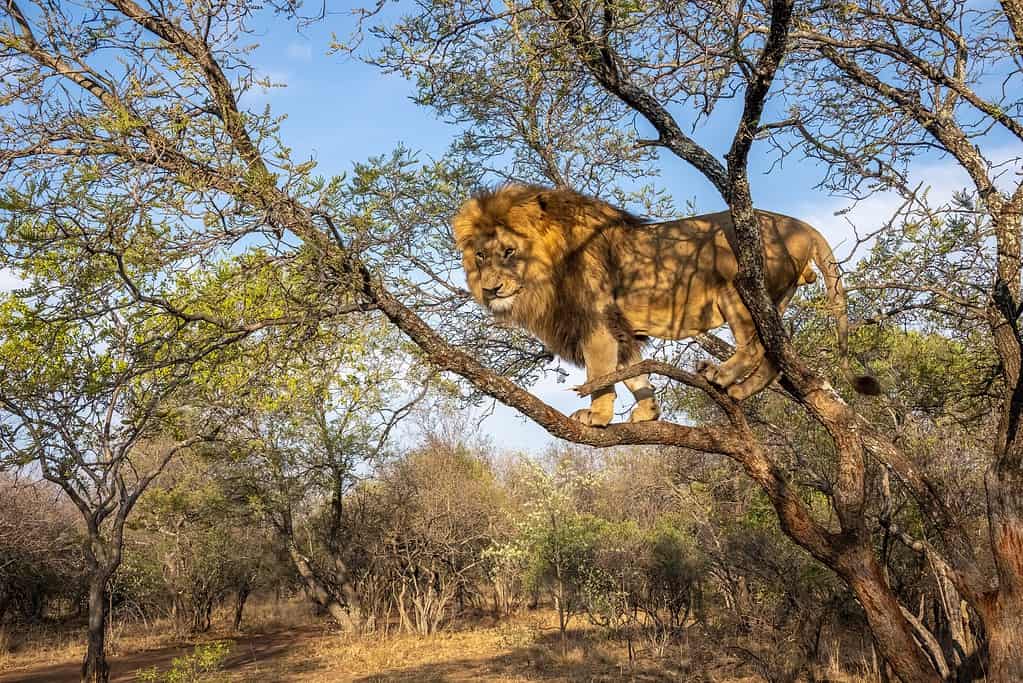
(509, 252)
(480, 256)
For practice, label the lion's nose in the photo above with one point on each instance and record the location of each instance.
(492, 291)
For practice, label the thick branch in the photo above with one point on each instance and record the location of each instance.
(710, 439)
(1014, 14)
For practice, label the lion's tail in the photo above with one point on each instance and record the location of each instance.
(825, 261)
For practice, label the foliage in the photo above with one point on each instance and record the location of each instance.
(199, 667)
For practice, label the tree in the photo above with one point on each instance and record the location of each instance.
(100, 390)
(311, 431)
(555, 544)
(95, 424)
(443, 510)
(915, 66)
(206, 153)
(204, 545)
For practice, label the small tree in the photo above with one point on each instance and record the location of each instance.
(98, 424)
(208, 547)
(554, 545)
(100, 391)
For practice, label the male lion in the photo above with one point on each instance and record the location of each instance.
(594, 282)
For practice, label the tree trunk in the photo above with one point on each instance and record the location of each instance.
(95, 668)
(239, 606)
(562, 617)
(892, 632)
(1004, 629)
(315, 590)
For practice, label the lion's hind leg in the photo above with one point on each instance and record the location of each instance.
(765, 373)
(760, 379)
(749, 352)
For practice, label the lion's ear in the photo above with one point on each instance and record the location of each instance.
(544, 200)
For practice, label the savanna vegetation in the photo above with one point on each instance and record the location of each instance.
(229, 381)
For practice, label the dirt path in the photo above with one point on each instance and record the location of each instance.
(250, 652)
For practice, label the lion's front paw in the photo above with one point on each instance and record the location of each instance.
(645, 411)
(709, 370)
(591, 418)
(738, 392)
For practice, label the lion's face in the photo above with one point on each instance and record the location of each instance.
(509, 250)
(496, 265)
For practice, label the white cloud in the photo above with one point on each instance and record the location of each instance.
(9, 281)
(943, 179)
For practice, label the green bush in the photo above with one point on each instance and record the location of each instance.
(199, 667)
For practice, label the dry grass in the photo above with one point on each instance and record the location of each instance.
(283, 642)
(36, 645)
(524, 648)
(22, 646)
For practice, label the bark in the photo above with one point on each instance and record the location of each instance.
(1014, 14)
(239, 607)
(1003, 611)
(892, 631)
(315, 589)
(95, 668)
(1003, 626)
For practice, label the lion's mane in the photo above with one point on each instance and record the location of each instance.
(571, 241)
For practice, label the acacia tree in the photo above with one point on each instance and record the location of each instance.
(311, 430)
(171, 112)
(554, 544)
(95, 419)
(101, 386)
(927, 73)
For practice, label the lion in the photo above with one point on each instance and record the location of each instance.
(594, 282)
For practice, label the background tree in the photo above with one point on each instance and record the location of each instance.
(101, 388)
(312, 430)
(554, 545)
(41, 550)
(207, 547)
(84, 403)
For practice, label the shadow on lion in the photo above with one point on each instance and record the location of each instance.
(593, 283)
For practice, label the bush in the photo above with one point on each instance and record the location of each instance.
(198, 667)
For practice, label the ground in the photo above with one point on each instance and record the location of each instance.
(524, 648)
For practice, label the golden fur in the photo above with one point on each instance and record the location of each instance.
(593, 282)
